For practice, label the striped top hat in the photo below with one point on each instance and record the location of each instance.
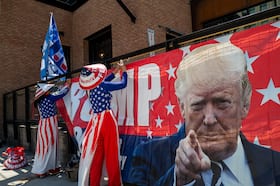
(92, 75)
(42, 88)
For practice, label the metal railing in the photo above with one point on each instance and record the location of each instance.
(18, 109)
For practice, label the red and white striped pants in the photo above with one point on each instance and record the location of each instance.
(101, 140)
(46, 147)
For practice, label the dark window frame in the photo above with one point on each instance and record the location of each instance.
(100, 46)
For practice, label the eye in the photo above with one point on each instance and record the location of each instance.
(222, 103)
(197, 106)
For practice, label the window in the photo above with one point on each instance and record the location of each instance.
(66, 50)
(248, 11)
(100, 46)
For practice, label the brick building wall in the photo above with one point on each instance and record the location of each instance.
(24, 23)
(126, 35)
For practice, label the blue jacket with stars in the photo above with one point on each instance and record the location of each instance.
(153, 162)
(100, 97)
(47, 106)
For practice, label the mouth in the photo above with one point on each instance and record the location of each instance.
(210, 137)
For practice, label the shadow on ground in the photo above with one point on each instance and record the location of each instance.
(23, 176)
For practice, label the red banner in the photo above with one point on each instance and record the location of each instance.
(148, 108)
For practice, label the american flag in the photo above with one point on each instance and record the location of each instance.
(148, 108)
(53, 61)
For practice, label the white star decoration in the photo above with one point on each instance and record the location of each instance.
(170, 108)
(257, 142)
(278, 36)
(149, 134)
(277, 25)
(171, 71)
(186, 51)
(270, 93)
(224, 38)
(179, 125)
(158, 122)
(250, 61)
(151, 105)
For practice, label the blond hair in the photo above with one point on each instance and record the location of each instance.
(211, 65)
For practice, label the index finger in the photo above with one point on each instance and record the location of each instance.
(192, 138)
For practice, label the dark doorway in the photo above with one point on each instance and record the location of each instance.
(100, 46)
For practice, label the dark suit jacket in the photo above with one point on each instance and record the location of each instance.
(153, 162)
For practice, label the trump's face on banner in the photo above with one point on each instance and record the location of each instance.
(209, 86)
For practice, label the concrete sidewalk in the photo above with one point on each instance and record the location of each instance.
(23, 176)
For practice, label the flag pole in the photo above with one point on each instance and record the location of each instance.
(48, 49)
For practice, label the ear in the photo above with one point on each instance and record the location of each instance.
(182, 109)
(245, 111)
